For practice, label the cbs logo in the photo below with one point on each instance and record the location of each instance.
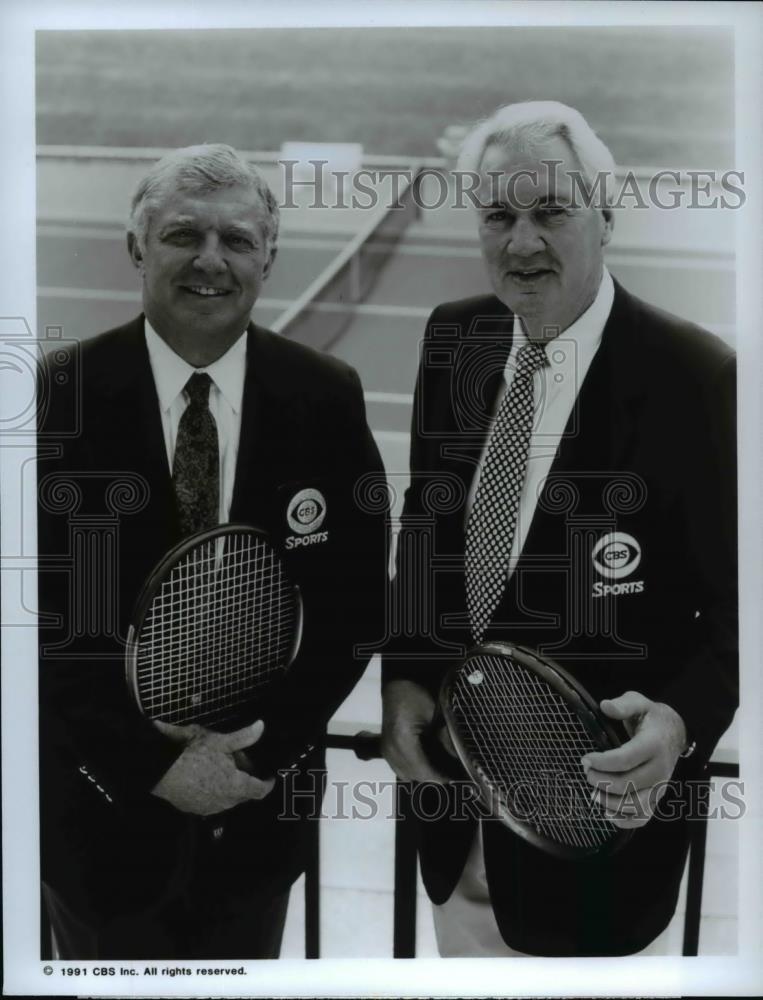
(306, 511)
(616, 555)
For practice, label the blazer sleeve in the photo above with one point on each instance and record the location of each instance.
(705, 690)
(410, 652)
(87, 723)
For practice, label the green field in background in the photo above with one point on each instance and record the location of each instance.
(657, 96)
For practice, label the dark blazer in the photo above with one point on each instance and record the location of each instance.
(649, 451)
(107, 515)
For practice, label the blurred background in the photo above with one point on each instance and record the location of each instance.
(660, 96)
(361, 283)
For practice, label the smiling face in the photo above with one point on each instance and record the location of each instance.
(203, 264)
(544, 254)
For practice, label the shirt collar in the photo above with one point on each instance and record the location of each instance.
(171, 372)
(583, 336)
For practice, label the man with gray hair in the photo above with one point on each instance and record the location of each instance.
(161, 841)
(629, 438)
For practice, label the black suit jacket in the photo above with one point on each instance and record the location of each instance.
(107, 515)
(648, 452)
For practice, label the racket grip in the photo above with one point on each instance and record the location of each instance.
(366, 745)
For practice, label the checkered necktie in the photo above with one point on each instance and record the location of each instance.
(493, 518)
(196, 469)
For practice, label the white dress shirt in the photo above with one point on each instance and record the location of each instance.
(226, 395)
(555, 391)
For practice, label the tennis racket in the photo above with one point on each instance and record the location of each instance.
(217, 622)
(520, 724)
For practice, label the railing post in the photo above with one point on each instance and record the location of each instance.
(696, 873)
(404, 932)
(313, 894)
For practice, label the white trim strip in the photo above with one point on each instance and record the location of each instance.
(395, 398)
(394, 437)
(371, 309)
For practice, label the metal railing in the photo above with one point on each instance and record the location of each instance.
(366, 746)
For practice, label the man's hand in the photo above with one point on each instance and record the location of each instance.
(205, 779)
(630, 780)
(408, 710)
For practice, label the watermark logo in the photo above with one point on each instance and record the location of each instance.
(314, 183)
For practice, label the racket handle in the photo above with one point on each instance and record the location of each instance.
(268, 761)
(366, 745)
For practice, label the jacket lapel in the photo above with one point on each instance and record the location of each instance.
(600, 435)
(254, 441)
(600, 429)
(136, 439)
(272, 431)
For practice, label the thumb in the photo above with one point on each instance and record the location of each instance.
(629, 707)
(241, 738)
(178, 734)
(626, 706)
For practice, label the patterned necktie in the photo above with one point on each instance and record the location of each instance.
(493, 518)
(196, 470)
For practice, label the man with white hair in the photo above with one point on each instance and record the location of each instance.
(632, 438)
(159, 841)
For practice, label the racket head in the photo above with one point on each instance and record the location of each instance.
(217, 622)
(520, 724)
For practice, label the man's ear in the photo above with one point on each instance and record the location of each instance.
(136, 254)
(269, 262)
(609, 225)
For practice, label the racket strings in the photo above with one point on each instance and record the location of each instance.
(220, 626)
(527, 743)
(231, 655)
